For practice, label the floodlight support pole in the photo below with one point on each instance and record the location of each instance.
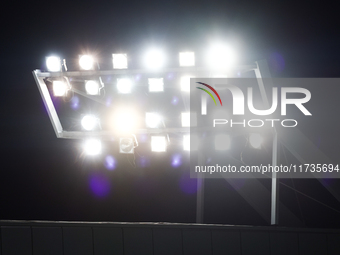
(262, 71)
(274, 220)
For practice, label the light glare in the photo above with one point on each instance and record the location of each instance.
(156, 84)
(124, 85)
(89, 122)
(125, 121)
(186, 58)
(59, 88)
(152, 119)
(185, 83)
(93, 147)
(187, 121)
(221, 56)
(119, 61)
(158, 143)
(154, 59)
(92, 87)
(86, 62)
(53, 64)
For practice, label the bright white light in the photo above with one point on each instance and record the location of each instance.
(89, 122)
(86, 62)
(125, 121)
(190, 142)
(154, 59)
(152, 119)
(186, 58)
(156, 84)
(92, 87)
(185, 83)
(255, 140)
(119, 61)
(222, 142)
(124, 85)
(53, 64)
(59, 88)
(185, 119)
(221, 56)
(158, 143)
(93, 147)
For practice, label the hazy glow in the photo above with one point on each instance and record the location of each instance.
(222, 142)
(185, 83)
(152, 119)
(86, 62)
(156, 84)
(99, 185)
(110, 162)
(186, 58)
(176, 160)
(154, 59)
(92, 87)
(255, 140)
(221, 56)
(125, 120)
(59, 88)
(92, 147)
(119, 61)
(53, 64)
(89, 122)
(75, 102)
(158, 143)
(174, 100)
(124, 85)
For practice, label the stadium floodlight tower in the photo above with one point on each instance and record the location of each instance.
(123, 84)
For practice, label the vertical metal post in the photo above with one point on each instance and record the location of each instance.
(262, 71)
(275, 188)
(200, 191)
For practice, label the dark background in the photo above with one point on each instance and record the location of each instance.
(45, 178)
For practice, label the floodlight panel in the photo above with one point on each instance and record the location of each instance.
(124, 121)
(93, 147)
(156, 84)
(152, 119)
(185, 83)
(124, 85)
(53, 64)
(222, 142)
(187, 59)
(256, 140)
(86, 62)
(221, 56)
(126, 145)
(59, 88)
(158, 143)
(89, 122)
(92, 87)
(154, 59)
(119, 61)
(190, 142)
(188, 119)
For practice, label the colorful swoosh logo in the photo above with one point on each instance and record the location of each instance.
(213, 90)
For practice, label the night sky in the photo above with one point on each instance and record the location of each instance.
(45, 178)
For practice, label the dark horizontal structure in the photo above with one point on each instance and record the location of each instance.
(83, 238)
